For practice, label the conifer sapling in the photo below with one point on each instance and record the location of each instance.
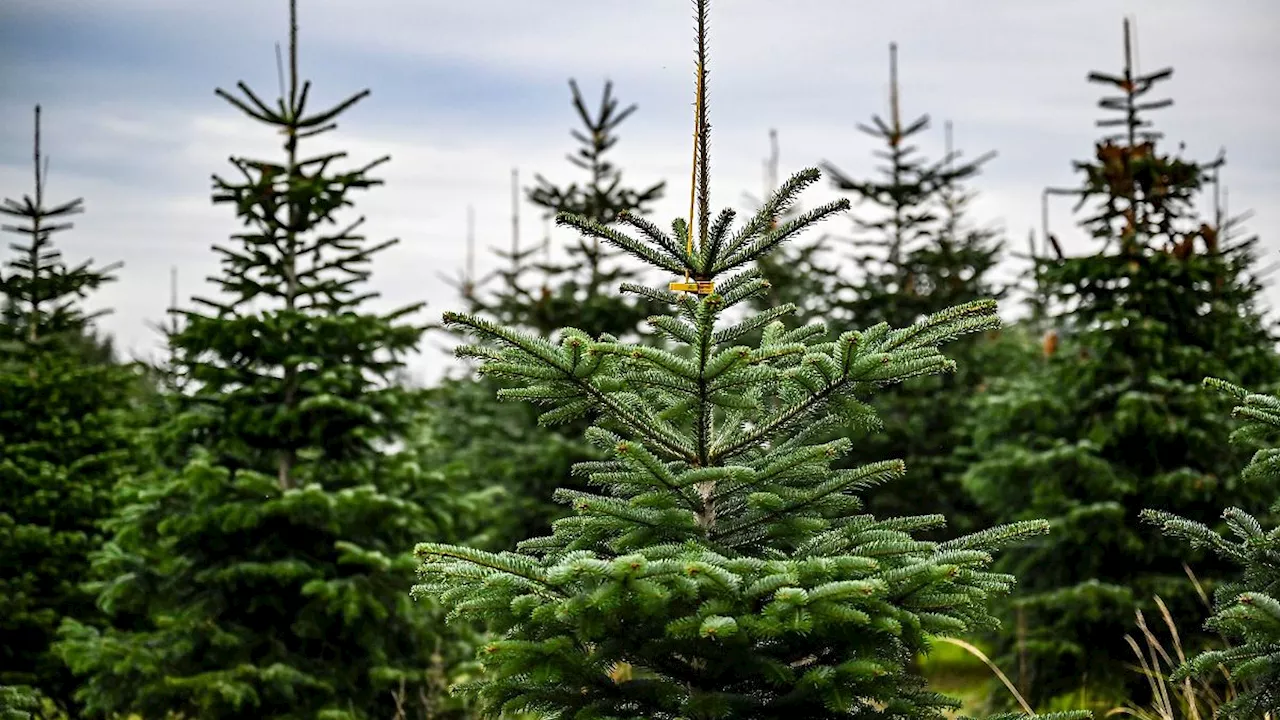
(722, 569)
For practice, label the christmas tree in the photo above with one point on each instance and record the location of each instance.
(582, 290)
(65, 437)
(722, 569)
(918, 254)
(262, 568)
(543, 296)
(1114, 421)
(1247, 609)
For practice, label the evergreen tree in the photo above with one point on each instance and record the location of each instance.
(1114, 421)
(1247, 609)
(582, 290)
(723, 570)
(65, 429)
(914, 249)
(493, 442)
(262, 569)
(919, 254)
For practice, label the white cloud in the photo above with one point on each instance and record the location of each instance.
(1011, 76)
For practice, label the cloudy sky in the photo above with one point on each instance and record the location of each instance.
(464, 91)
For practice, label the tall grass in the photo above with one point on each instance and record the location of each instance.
(1157, 657)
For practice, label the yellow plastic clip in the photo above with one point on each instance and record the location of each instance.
(702, 287)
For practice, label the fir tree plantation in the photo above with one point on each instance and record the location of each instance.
(1115, 421)
(745, 466)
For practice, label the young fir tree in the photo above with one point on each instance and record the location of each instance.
(1247, 609)
(582, 290)
(1114, 420)
(917, 254)
(65, 438)
(492, 442)
(722, 569)
(266, 573)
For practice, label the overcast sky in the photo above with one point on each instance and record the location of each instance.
(464, 91)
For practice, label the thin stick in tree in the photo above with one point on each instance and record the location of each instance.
(895, 113)
(468, 282)
(515, 215)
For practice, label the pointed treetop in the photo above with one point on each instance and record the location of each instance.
(907, 184)
(895, 113)
(40, 292)
(1133, 87)
(700, 187)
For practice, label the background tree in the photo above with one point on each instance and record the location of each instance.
(1247, 609)
(1114, 420)
(917, 253)
(490, 442)
(265, 572)
(65, 437)
(723, 569)
(582, 289)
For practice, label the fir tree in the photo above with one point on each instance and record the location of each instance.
(723, 570)
(1113, 421)
(918, 254)
(262, 569)
(65, 429)
(914, 247)
(543, 296)
(582, 291)
(1247, 609)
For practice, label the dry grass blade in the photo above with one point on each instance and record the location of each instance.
(1190, 699)
(974, 651)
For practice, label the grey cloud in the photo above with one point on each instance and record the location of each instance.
(138, 139)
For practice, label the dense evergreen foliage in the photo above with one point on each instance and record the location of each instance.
(723, 569)
(721, 471)
(1114, 420)
(66, 431)
(1247, 608)
(261, 566)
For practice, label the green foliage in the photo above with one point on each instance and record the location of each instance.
(720, 567)
(18, 702)
(65, 436)
(918, 253)
(1247, 609)
(726, 570)
(261, 567)
(1114, 421)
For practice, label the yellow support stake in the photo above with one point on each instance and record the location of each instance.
(702, 287)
